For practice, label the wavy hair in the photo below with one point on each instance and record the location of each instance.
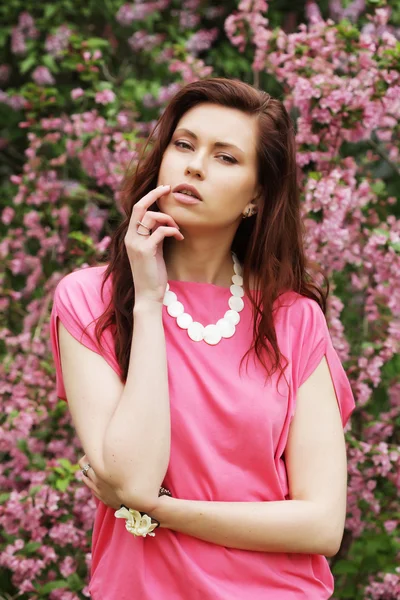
(269, 244)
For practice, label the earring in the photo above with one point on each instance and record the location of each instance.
(249, 213)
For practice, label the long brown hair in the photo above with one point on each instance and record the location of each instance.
(269, 244)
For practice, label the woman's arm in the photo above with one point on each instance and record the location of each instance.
(137, 440)
(284, 526)
(312, 521)
(124, 430)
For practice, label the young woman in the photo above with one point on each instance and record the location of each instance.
(199, 359)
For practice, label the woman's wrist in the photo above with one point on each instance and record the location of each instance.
(140, 523)
(162, 510)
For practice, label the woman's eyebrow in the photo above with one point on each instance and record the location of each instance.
(217, 144)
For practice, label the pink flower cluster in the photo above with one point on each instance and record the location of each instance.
(42, 76)
(250, 16)
(201, 40)
(57, 43)
(387, 588)
(191, 69)
(139, 10)
(142, 40)
(105, 97)
(352, 11)
(25, 30)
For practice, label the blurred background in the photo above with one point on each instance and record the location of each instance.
(81, 86)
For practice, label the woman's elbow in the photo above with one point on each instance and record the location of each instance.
(332, 542)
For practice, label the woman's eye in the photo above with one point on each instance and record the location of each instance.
(228, 158)
(184, 143)
(225, 157)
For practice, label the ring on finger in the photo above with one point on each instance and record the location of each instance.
(86, 469)
(140, 224)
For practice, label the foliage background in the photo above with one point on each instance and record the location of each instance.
(82, 85)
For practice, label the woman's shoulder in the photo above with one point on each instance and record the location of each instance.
(294, 306)
(82, 288)
(286, 298)
(83, 276)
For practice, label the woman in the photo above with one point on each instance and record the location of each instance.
(199, 359)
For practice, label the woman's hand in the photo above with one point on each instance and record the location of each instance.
(100, 489)
(145, 249)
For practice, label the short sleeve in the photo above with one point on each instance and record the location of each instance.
(77, 303)
(313, 344)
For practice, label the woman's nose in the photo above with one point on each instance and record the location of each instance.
(194, 170)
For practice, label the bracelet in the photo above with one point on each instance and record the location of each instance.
(139, 523)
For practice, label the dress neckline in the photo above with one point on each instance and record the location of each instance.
(201, 283)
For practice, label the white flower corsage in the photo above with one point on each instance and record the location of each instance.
(139, 524)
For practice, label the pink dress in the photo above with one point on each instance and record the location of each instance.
(229, 432)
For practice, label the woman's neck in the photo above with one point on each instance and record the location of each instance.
(209, 264)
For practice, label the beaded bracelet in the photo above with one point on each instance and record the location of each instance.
(138, 523)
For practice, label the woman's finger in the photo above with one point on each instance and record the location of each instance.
(82, 462)
(139, 209)
(152, 218)
(162, 232)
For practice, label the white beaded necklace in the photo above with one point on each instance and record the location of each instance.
(225, 327)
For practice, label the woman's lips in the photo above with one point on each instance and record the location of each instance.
(185, 199)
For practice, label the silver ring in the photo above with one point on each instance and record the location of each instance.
(139, 223)
(86, 469)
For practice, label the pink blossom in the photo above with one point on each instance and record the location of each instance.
(391, 526)
(125, 15)
(7, 215)
(57, 43)
(42, 76)
(142, 40)
(313, 12)
(105, 97)
(201, 40)
(77, 93)
(68, 566)
(18, 45)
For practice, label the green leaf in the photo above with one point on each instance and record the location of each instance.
(379, 231)
(395, 246)
(75, 582)
(62, 484)
(30, 547)
(27, 63)
(68, 466)
(35, 489)
(81, 237)
(52, 585)
(378, 187)
(22, 445)
(4, 33)
(50, 63)
(344, 567)
(51, 10)
(95, 42)
(4, 497)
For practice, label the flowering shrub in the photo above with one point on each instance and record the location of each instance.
(81, 89)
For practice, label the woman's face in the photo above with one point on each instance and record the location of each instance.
(213, 148)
